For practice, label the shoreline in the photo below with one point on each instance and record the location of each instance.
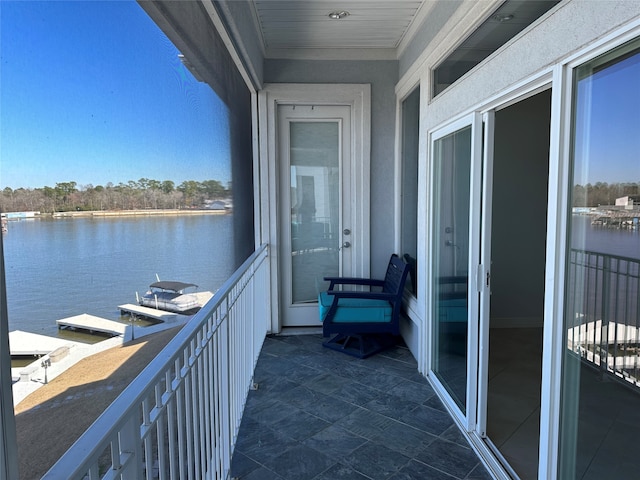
(122, 213)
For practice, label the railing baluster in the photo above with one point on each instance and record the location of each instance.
(190, 397)
(603, 324)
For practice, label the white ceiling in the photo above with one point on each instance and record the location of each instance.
(287, 25)
(378, 29)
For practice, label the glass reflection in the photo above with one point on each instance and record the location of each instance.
(315, 201)
(601, 371)
(452, 163)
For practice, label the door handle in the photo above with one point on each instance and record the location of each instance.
(346, 245)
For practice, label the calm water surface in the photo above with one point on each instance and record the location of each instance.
(61, 268)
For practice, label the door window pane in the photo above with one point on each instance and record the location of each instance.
(452, 162)
(315, 202)
(410, 133)
(601, 371)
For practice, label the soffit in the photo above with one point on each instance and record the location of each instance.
(303, 27)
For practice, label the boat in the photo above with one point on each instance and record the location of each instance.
(171, 296)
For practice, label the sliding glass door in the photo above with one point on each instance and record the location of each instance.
(455, 220)
(601, 373)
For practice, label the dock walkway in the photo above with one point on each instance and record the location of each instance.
(152, 313)
(93, 324)
(26, 344)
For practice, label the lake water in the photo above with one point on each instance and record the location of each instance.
(623, 242)
(61, 268)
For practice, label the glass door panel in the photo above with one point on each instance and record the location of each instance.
(452, 156)
(315, 206)
(600, 408)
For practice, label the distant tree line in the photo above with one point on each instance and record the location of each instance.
(142, 194)
(602, 193)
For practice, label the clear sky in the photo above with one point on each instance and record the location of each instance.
(608, 125)
(93, 92)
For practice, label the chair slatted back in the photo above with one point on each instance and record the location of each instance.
(396, 276)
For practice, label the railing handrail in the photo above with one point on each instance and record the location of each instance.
(92, 442)
(610, 255)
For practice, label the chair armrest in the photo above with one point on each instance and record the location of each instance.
(363, 295)
(353, 281)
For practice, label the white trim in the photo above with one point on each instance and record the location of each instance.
(358, 97)
(484, 264)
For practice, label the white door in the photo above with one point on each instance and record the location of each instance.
(316, 208)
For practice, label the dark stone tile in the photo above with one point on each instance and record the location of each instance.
(316, 403)
(366, 423)
(274, 387)
(356, 393)
(453, 434)
(302, 374)
(415, 392)
(435, 402)
(449, 457)
(378, 380)
(428, 419)
(419, 471)
(264, 444)
(299, 463)
(335, 442)
(327, 383)
(404, 439)
(341, 472)
(242, 465)
(299, 425)
(390, 406)
(479, 473)
(376, 461)
(262, 474)
(268, 412)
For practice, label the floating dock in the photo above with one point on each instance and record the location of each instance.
(24, 344)
(93, 324)
(161, 315)
(152, 313)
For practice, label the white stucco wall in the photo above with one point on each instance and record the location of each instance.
(566, 29)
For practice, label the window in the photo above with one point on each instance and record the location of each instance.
(511, 18)
(409, 232)
(601, 370)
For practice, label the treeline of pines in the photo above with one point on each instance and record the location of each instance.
(603, 193)
(142, 194)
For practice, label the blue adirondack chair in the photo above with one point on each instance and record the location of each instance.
(365, 322)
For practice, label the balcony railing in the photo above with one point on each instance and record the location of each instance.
(603, 314)
(180, 417)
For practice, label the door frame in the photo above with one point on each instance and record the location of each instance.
(358, 98)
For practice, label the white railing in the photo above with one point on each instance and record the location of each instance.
(180, 417)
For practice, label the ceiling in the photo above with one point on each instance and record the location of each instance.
(304, 27)
(305, 24)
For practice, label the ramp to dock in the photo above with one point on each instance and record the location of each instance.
(92, 324)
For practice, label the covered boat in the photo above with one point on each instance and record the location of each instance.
(171, 296)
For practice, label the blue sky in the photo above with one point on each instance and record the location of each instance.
(94, 92)
(608, 130)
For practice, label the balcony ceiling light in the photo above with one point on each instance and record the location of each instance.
(502, 18)
(337, 15)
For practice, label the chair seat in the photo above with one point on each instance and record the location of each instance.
(361, 310)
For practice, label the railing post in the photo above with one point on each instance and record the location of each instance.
(604, 313)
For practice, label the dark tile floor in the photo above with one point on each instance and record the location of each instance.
(323, 415)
